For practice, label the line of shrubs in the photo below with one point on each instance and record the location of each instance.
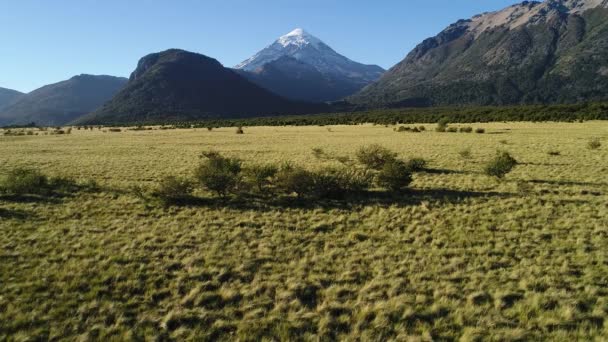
(443, 126)
(376, 166)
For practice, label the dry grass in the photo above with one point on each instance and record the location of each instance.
(460, 256)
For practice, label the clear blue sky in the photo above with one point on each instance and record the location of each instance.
(45, 41)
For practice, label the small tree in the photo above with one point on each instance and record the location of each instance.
(394, 176)
(375, 156)
(219, 174)
(502, 164)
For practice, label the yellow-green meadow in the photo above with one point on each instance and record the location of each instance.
(459, 256)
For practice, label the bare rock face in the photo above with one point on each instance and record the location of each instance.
(533, 52)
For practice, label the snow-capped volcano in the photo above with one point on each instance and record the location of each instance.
(300, 45)
(299, 38)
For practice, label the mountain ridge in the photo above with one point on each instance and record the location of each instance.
(62, 102)
(8, 96)
(532, 52)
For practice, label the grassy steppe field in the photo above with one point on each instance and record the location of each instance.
(460, 256)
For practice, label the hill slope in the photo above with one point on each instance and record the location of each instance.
(8, 96)
(60, 103)
(550, 52)
(177, 85)
(301, 66)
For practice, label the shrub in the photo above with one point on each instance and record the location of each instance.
(480, 131)
(23, 181)
(219, 174)
(465, 154)
(394, 175)
(292, 179)
(172, 190)
(261, 175)
(402, 129)
(442, 125)
(239, 130)
(336, 183)
(452, 130)
(594, 144)
(502, 164)
(210, 128)
(114, 130)
(554, 153)
(466, 129)
(422, 128)
(375, 156)
(416, 164)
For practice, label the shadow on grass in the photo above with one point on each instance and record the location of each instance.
(14, 214)
(348, 201)
(564, 182)
(447, 172)
(49, 199)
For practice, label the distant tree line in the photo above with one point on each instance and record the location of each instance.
(393, 116)
(533, 113)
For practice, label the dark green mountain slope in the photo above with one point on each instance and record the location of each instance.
(177, 85)
(550, 52)
(60, 103)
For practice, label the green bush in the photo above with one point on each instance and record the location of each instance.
(452, 130)
(594, 144)
(375, 156)
(416, 164)
(394, 176)
(422, 128)
(502, 164)
(480, 131)
(219, 174)
(261, 176)
(24, 181)
(466, 129)
(336, 183)
(173, 190)
(442, 125)
(293, 179)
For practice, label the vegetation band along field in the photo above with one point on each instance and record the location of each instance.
(460, 255)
